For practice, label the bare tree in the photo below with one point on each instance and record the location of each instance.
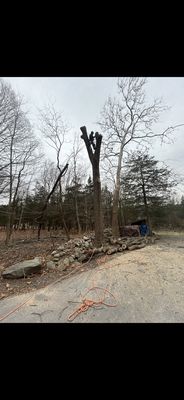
(93, 146)
(48, 175)
(23, 196)
(21, 149)
(77, 173)
(126, 121)
(40, 218)
(54, 130)
(7, 103)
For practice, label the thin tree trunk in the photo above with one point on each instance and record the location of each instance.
(121, 212)
(115, 225)
(75, 195)
(12, 202)
(61, 202)
(40, 223)
(62, 215)
(23, 206)
(8, 227)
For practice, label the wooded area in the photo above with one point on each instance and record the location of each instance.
(125, 184)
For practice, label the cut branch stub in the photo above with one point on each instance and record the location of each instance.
(93, 148)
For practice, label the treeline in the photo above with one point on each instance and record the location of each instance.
(126, 185)
(78, 210)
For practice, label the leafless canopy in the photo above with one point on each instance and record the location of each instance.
(54, 129)
(129, 118)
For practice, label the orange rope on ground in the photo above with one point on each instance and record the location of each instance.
(86, 303)
(22, 304)
(15, 309)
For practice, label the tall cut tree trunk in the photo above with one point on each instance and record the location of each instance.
(97, 206)
(95, 160)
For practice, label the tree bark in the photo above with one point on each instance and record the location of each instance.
(115, 225)
(9, 223)
(94, 157)
(76, 198)
(97, 207)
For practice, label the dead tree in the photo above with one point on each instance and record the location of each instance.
(93, 146)
(40, 218)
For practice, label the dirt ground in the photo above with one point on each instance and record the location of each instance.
(24, 247)
(171, 242)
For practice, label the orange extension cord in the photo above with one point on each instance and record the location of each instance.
(16, 308)
(22, 304)
(86, 303)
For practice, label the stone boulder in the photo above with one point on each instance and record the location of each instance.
(22, 269)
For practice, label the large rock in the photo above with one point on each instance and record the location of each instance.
(22, 269)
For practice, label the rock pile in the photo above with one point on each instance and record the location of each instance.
(74, 252)
(77, 251)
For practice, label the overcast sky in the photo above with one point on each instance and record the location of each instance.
(81, 100)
